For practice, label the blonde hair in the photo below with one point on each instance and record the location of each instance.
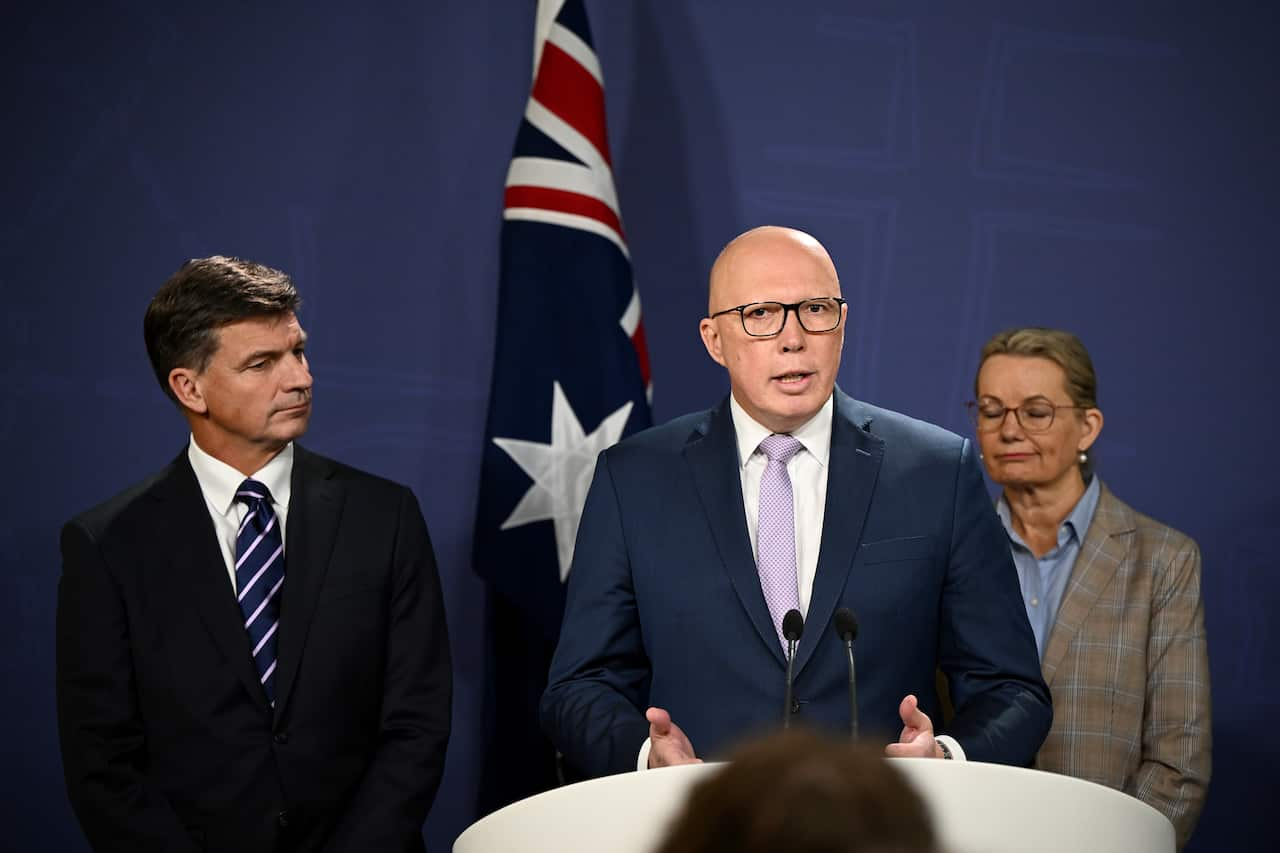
(1062, 348)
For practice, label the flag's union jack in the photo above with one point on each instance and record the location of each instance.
(561, 172)
(570, 374)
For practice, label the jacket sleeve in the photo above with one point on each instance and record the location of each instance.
(104, 745)
(1176, 739)
(598, 686)
(388, 808)
(986, 647)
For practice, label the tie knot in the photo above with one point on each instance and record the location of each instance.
(252, 492)
(780, 448)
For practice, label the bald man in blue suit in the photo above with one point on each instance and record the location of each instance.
(669, 651)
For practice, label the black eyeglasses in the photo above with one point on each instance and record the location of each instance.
(763, 319)
(1033, 415)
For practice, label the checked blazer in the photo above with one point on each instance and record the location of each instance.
(1128, 668)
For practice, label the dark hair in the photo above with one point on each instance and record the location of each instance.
(205, 294)
(803, 793)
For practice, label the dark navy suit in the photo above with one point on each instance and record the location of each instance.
(665, 608)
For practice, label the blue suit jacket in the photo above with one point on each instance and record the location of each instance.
(664, 603)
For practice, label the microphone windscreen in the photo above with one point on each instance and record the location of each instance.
(846, 624)
(792, 624)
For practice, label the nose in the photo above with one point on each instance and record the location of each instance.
(1010, 426)
(792, 336)
(298, 376)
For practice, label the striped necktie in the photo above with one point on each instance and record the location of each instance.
(260, 578)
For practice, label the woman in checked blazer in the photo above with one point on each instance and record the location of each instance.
(1113, 596)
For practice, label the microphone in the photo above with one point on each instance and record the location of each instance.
(847, 628)
(792, 628)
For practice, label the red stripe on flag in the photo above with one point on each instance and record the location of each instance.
(642, 352)
(568, 90)
(562, 201)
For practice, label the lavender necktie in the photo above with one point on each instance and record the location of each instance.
(260, 578)
(776, 531)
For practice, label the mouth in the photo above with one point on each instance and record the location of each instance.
(798, 380)
(1013, 457)
(304, 406)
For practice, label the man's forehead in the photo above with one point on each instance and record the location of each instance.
(768, 276)
(266, 330)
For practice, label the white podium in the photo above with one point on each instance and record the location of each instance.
(976, 808)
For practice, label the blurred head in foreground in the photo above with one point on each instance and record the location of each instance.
(803, 793)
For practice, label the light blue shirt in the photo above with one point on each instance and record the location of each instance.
(1044, 580)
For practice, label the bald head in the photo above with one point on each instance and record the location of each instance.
(761, 254)
(781, 378)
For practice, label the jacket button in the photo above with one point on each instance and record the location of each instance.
(283, 819)
(281, 738)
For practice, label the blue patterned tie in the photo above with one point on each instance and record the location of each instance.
(260, 578)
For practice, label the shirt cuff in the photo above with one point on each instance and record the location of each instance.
(957, 752)
(642, 763)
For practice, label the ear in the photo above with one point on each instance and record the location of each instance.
(185, 384)
(1092, 423)
(711, 340)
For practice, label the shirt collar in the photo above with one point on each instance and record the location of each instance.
(814, 434)
(219, 481)
(1082, 514)
(1073, 526)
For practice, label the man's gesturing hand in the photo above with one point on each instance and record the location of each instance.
(668, 745)
(916, 740)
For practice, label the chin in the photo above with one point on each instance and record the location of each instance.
(293, 431)
(803, 406)
(793, 417)
(1016, 480)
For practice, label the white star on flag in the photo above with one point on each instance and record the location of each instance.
(561, 471)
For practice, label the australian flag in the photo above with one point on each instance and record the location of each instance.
(570, 378)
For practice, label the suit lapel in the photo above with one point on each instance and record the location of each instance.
(190, 551)
(315, 507)
(854, 463)
(712, 455)
(1105, 548)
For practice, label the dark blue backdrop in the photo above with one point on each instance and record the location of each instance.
(1107, 167)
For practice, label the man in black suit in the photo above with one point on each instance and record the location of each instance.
(251, 645)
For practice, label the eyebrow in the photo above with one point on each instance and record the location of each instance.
(258, 355)
(1000, 400)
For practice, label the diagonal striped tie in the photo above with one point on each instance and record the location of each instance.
(260, 578)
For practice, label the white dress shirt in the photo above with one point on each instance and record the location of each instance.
(808, 473)
(219, 483)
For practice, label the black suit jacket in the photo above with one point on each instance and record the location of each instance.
(168, 742)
